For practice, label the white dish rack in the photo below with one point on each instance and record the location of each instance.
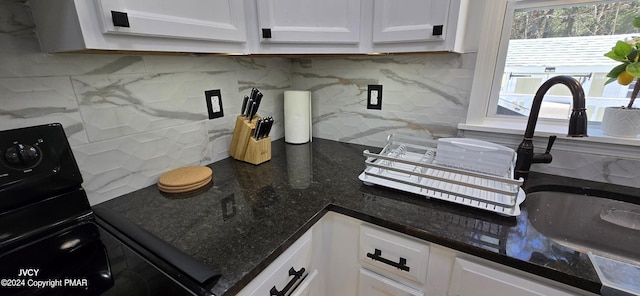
(407, 164)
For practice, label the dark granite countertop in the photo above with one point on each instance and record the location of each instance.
(253, 213)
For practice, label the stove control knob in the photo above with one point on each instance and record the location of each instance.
(22, 155)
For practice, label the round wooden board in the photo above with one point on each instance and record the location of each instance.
(184, 179)
(184, 189)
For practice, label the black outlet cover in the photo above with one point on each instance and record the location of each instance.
(375, 104)
(214, 103)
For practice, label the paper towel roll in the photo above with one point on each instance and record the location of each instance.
(297, 116)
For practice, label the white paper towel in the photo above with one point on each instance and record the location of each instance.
(297, 116)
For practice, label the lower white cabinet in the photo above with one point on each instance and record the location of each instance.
(288, 273)
(393, 254)
(308, 286)
(473, 279)
(345, 256)
(373, 284)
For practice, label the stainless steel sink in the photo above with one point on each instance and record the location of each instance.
(587, 223)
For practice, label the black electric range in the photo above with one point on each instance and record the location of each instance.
(53, 243)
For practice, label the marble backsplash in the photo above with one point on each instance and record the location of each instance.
(130, 118)
(423, 95)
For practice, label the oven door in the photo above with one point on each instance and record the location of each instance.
(72, 261)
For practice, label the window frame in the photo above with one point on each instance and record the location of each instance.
(490, 64)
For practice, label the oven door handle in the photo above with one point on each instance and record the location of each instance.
(196, 269)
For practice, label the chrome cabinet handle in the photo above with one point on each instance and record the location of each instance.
(377, 256)
(297, 276)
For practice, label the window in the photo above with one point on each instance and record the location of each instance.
(526, 42)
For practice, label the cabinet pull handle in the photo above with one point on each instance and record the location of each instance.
(297, 275)
(377, 255)
(266, 33)
(437, 30)
(120, 19)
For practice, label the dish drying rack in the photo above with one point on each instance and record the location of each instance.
(407, 164)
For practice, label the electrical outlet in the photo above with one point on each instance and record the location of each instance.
(374, 96)
(214, 103)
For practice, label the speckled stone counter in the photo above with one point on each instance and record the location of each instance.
(252, 213)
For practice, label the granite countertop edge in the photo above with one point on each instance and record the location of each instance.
(421, 234)
(276, 214)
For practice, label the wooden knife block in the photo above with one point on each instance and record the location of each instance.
(246, 148)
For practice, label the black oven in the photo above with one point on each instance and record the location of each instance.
(53, 243)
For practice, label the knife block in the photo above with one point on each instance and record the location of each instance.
(246, 148)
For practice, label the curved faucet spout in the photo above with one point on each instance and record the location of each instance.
(577, 124)
(578, 118)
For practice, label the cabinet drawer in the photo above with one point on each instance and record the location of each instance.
(372, 284)
(280, 274)
(393, 254)
(469, 278)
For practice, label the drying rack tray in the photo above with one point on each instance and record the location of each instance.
(407, 164)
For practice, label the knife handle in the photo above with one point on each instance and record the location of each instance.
(254, 110)
(268, 127)
(248, 111)
(256, 132)
(244, 104)
(258, 97)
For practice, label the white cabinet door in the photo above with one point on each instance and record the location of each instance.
(221, 20)
(335, 245)
(287, 272)
(372, 284)
(472, 279)
(409, 20)
(201, 26)
(308, 287)
(309, 21)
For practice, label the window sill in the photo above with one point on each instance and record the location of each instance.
(510, 133)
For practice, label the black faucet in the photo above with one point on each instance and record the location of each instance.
(577, 124)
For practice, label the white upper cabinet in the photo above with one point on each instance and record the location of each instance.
(307, 26)
(258, 26)
(144, 25)
(409, 20)
(425, 25)
(361, 26)
(221, 20)
(309, 21)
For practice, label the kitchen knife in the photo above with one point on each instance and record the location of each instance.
(244, 105)
(259, 127)
(248, 108)
(268, 127)
(258, 98)
(251, 111)
(254, 91)
(254, 110)
(263, 125)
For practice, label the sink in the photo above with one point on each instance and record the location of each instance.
(587, 223)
